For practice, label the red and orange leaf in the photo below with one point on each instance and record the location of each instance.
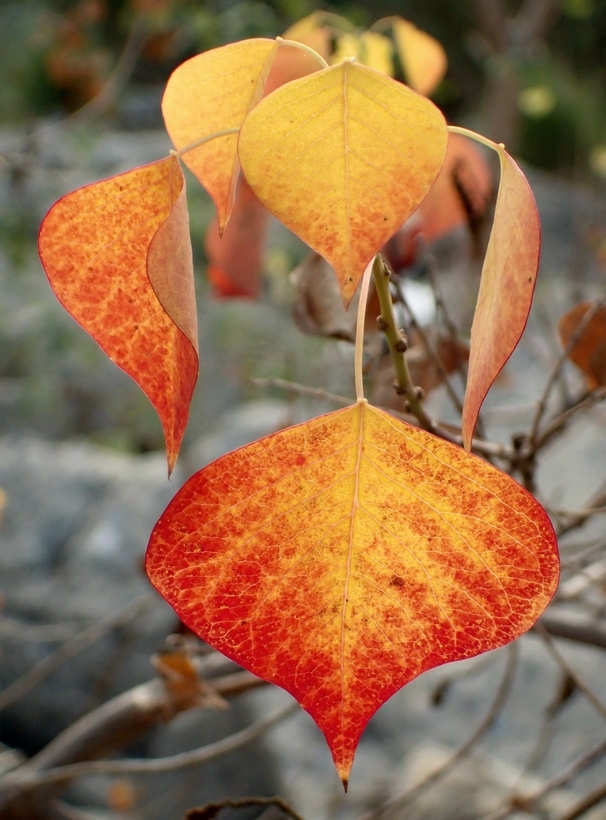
(118, 256)
(235, 259)
(423, 59)
(589, 350)
(506, 288)
(343, 157)
(209, 93)
(342, 557)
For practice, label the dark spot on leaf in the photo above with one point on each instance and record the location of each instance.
(397, 582)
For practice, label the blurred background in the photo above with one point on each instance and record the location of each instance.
(82, 469)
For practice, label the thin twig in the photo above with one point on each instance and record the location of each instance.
(486, 448)
(542, 631)
(69, 649)
(588, 802)
(302, 389)
(562, 778)
(213, 809)
(557, 368)
(465, 748)
(27, 780)
(558, 423)
(431, 351)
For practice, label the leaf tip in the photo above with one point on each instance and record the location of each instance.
(345, 783)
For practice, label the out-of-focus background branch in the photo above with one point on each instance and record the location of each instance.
(88, 677)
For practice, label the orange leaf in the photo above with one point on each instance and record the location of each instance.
(212, 92)
(342, 557)
(423, 58)
(589, 350)
(118, 256)
(235, 259)
(506, 288)
(343, 157)
(465, 173)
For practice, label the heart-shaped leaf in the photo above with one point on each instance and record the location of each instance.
(343, 557)
(213, 92)
(118, 256)
(343, 157)
(423, 58)
(506, 288)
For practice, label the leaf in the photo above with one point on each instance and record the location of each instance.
(506, 288)
(423, 58)
(343, 157)
(461, 192)
(235, 259)
(117, 254)
(369, 48)
(342, 557)
(588, 351)
(209, 93)
(318, 307)
(291, 63)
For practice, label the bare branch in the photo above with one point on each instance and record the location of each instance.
(463, 750)
(69, 649)
(541, 630)
(24, 779)
(211, 810)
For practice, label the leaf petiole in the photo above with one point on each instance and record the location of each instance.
(197, 143)
(303, 47)
(465, 132)
(359, 354)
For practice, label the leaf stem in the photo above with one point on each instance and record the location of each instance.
(465, 132)
(359, 354)
(303, 47)
(197, 143)
(397, 346)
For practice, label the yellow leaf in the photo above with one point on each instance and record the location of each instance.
(370, 48)
(376, 52)
(423, 58)
(343, 157)
(212, 92)
(347, 48)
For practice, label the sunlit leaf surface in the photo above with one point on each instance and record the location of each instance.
(212, 92)
(506, 288)
(343, 157)
(342, 557)
(118, 256)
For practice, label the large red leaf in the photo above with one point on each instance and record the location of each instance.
(506, 288)
(118, 256)
(343, 557)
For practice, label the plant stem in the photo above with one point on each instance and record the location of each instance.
(303, 47)
(359, 354)
(397, 346)
(465, 132)
(197, 143)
